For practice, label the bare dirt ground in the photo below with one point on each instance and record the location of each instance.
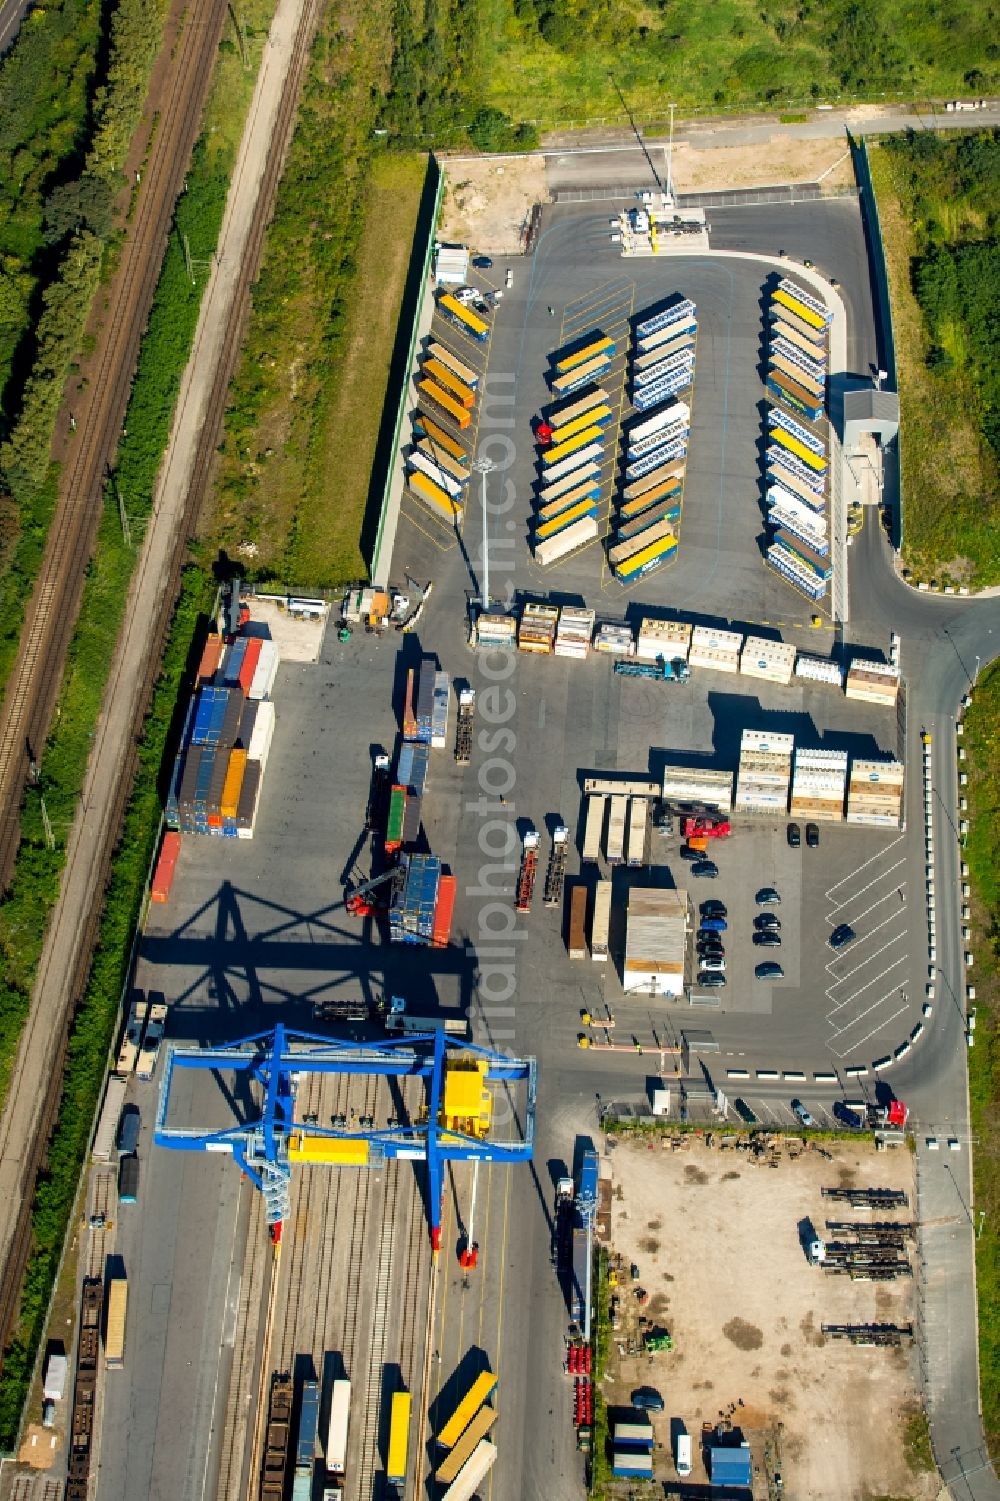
(782, 160)
(716, 1237)
(487, 203)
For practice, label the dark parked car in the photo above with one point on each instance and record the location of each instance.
(794, 836)
(846, 1116)
(744, 1112)
(767, 896)
(713, 908)
(707, 869)
(767, 940)
(709, 980)
(648, 1399)
(687, 853)
(769, 971)
(482, 262)
(842, 936)
(766, 922)
(812, 836)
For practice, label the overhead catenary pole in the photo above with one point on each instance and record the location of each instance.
(670, 157)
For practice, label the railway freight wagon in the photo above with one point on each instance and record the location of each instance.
(305, 1444)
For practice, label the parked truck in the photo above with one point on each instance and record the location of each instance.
(150, 1050)
(576, 938)
(528, 871)
(399, 1019)
(660, 671)
(336, 1434)
(555, 875)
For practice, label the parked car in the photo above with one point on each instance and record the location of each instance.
(709, 980)
(706, 869)
(767, 940)
(482, 262)
(768, 896)
(713, 964)
(713, 908)
(769, 971)
(842, 936)
(714, 924)
(812, 836)
(846, 1116)
(687, 853)
(647, 1399)
(767, 922)
(744, 1112)
(794, 836)
(802, 1113)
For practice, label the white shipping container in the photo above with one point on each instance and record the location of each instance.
(265, 671)
(601, 922)
(638, 809)
(54, 1381)
(819, 670)
(107, 1126)
(669, 416)
(771, 660)
(262, 735)
(707, 638)
(566, 541)
(615, 846)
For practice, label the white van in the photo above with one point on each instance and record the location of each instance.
(682, 1454)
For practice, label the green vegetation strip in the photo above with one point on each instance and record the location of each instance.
(982, 749)
(939, 205)
(27, 908)
(601, 1345)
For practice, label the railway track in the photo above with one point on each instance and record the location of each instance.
(101, 1203)
(97, 855)
(36, 1488)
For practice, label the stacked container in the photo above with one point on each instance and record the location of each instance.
(717, 650)
(770, 660)
(669, 639)
(765, 773)
(872, 682)
(875, 793)
(614, 639)
(819, 670)
(574, 632)
(411, 917)
(819, 785)
(496, 632)
(425, 700)
(537, 629)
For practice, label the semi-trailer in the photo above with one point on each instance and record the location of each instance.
(336, 1429)
(464, 726)
(683, 359)
(583, 375)
(442, 376)
(573, 410)
(468, 1405)
(667, 492)
(594, 452)
(569, 481)
(463, 318)
(676, 415)
(784, 469)
(659, 391)
(615, 846)
(786, 500)
(305, 1442)
(156, 1023)
(681, 312)
(128, 1053)
(816, 562)
(437, 396)
(663, 348)
(594, 827)
(669, 449)
(798, 449)
(791, 521)
(528, 871)
(555, 874)
(668, 510)
(651, 557)
(589, 490)
(636, 850)
(622, 551)
(464, 372)
(399, 1438)
(472, 1473)
(785, 349)
(602, 347)
(446, 482)
(598, 416)
(442, 504)
(552, 457)
(600, 925)
(819, 314)
(117, 1317)
(794, 395)
(576, 934)
(437, 435)
(128, 1178)
(466, 1446)
(580, 534)
(576, 512)
(672, 470)
(815, 386)
(107, 1126)
(444, 460)
(811, 343)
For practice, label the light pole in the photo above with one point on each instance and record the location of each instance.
(975, 679)
(670, 159)
(482, 466)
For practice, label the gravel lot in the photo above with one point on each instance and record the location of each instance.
(715, 1235)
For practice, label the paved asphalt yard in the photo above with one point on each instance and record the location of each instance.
(257, 931)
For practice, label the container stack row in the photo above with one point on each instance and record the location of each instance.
(218, 770)
(571, 439)
(796, 453)
(647, 523)
(437, 463)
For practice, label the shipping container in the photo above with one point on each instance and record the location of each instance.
(553, 457)
(411, 819)
(598, 416)
(436, 396)
(399, 1439)
(668, 510)
(599, 348)
(621, 552)
(585, 507)
(233, 783)
(594, 828)
(681, 312)
(473, 1473)
(674, 470)
(560, 487)
(440, 374)
(795, 396)
(107, 1125)
(615, 846)
(446, 482)
(261, 736)
(210, 657)
(589, 490)
(565, 542)
(437, 435)
(662, 347)
(576, 937)
(653, 556)
(461, 316)
(638, 812)
(246, 813)
(594, 452)
(641, 434)
(166, 866)
(575, 409)
(444, 912)
(465, 373)
(117, 1317)
(600, 926)
(584, 375)
(466, 1446)
(394, 825)
(632, 1464)
(128, 1178)
(442, 504)
(469, 1404)
(812, 344)
(443, 460)
(267, 669)
(335, 1448)
(636, 1434)
(156, 1024)
(413, 766)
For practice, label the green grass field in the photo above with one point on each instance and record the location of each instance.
(982, 750)
(951, 475)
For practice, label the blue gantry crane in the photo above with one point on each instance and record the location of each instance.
(456, 1124)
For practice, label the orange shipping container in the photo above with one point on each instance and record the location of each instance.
(233, 784)
(210, 657)
(163, 876)
(443, 912)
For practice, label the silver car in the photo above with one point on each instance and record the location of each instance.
(713, 964)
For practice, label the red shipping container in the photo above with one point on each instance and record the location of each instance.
(210, 657)
(443, 912)
(250, 660)
(163, 876)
